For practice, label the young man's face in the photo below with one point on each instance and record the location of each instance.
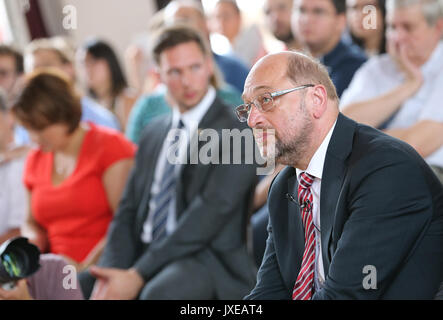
(186, 72)
(278, 18)
(8, 73)
(408, 27)
(317, 23)
(226, 20)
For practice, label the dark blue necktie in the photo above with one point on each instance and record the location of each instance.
(165, 195)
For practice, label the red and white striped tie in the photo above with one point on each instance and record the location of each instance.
(304, 285)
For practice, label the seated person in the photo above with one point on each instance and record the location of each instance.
(245, 42)
(57, 53)
(11, 78)
(371, 39)
(191, 12)
(400, 92)
(150, 106)
(105, 79)
(319, 25)
(12, 191)
(278, 21)
(180, 230)
(76, 175)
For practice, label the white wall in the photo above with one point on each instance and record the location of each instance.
(117, 21)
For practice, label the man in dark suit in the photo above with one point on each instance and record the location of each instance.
(179, 232)
(356, 214)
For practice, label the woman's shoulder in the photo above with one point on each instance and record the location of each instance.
(103, 136)
(36, 157)
(109, 142)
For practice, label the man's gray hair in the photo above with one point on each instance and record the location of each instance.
(432, 9)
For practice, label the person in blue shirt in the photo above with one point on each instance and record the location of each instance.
(319, 25)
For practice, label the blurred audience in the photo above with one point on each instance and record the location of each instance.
(11, 71)
(13, 205)
(401, 91)
(105, 79)
(159, 101)
(58, 53)
(278, 15)
(191, 12)
(371, 38)
(319, 25)
(77, 174)
(176, 235)
(246, 42)
(11, 74)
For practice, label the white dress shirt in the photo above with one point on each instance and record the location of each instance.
(190, 120)
(315, 168)
(379, 75)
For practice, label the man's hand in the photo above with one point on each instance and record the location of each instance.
(116, 284)
(19, 292)
(398, 52)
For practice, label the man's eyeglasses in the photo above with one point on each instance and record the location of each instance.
(263, 102)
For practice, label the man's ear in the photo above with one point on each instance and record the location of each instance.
(318, 100)
(210, 64)
(439, 26)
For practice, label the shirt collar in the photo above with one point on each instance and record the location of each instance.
(315, 167)
(435, 60)
(334, 54)
(192, 118)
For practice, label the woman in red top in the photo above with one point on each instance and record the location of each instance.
(76, 177)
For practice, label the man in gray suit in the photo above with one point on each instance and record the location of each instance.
(179, 232)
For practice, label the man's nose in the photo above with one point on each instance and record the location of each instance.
(254, 117)
(185, 78)
(398, 35)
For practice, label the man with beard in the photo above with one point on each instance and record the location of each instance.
(356, 214)
(278, 20)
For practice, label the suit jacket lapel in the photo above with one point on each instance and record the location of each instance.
(296, 234)
(207, 121)
(334, 171)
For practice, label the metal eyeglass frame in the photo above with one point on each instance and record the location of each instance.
(273, 95)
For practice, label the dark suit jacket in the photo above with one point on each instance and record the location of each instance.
(212, 202)
(380, 205)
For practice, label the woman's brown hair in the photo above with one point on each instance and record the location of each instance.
(48, 98)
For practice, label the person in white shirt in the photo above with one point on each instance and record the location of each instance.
(13, 203)
(400, 92)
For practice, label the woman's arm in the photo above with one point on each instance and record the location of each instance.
(114, 181)
(11, 233)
